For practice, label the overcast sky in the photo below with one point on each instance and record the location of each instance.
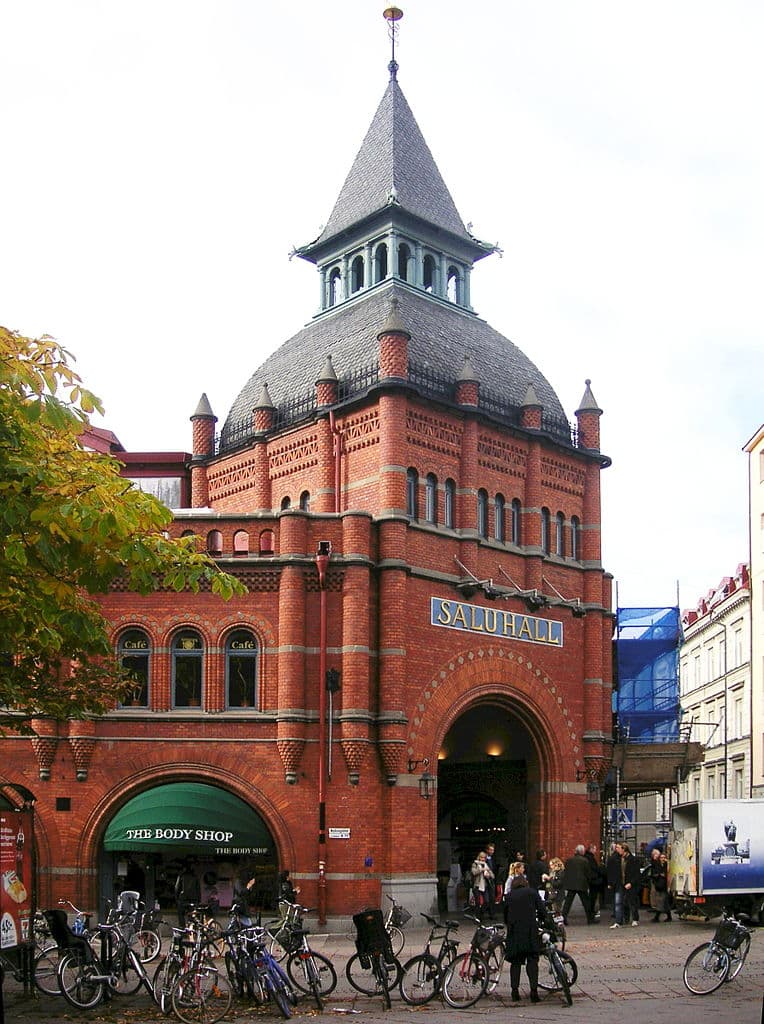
(161, 158)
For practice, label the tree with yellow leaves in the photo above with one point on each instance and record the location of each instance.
(70, 526)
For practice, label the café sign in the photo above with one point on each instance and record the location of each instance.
(495, 622)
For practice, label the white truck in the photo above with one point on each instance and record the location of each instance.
(716, 857)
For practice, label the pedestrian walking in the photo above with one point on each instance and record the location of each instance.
(628, 889)
(525, 910)
(577, 879)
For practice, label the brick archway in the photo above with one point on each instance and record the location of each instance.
(508, 678)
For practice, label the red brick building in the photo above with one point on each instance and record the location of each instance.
(417, 523)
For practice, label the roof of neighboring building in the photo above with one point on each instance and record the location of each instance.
(441, 335)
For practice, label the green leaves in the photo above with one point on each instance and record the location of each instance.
(70, 526)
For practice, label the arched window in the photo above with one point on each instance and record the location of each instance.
(404, 255)
(499, 519)
(241, 650)
(267, 544)
(241, 543)
(515, 535)
(431, 498)
(335, 286)
(357, 274)
(575, 538)
(545, 531)
(305, 501)
(412, 493)
(134, 653)
(454, 285)
(187, 666)
(482, 512)
(215, 543)
(428, 273)
(286, 502)
(380, 262)
(559, 535)
(449, 504)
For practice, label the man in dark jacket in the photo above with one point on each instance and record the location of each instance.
(577, 879)
(524, 910)
(597, 884)
(628, 889)
(613, 871)
(537, 870)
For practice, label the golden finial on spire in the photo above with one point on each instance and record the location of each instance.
(392, 16)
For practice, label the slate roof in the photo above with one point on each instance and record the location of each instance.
(394, 155)
(441, 335)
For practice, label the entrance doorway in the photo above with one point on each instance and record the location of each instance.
(488, 785)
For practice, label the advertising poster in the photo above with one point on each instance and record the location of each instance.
(15, 878)
(732, 850)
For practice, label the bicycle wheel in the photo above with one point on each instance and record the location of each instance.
(323, 968)
(279, 944)
(126, 973)
(465, 981)
(561, 975)
(705, 969)
(547, 977)
(397, 940)
(380, 971)
(202, 995)
(279, 997)
(77, 982)
(737, 958)
(362, 978)
(46, 971)
(167, 973)
(420, 979)
(146, 944)
(495, 965)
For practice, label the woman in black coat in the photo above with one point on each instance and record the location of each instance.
(524, 910)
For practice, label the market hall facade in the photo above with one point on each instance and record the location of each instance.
(422, 660)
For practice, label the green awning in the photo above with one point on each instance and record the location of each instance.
(191, 816)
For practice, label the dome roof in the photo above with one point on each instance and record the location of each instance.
(442, 334)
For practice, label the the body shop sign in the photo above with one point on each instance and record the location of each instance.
(15, 878)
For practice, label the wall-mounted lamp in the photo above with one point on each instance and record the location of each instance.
(426, 781)
(592, 784)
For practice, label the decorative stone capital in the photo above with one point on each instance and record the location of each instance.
(291, 751)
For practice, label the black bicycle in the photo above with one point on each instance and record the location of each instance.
(711, 964)
(422, 975)
(373, 970)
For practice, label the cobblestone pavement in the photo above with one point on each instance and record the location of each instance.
(626, 974)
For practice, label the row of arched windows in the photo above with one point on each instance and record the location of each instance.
(188, 655)
(241, 539)
(427, 276)
(440, 505)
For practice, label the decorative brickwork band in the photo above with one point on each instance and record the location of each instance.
(82, 744)
(355, 752)
(393, 755)
(44, 743)
(597, 768)
(291, 752)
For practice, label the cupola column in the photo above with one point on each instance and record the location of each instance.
(324, 300)
(203, 444)
(419, 266)
(467, 300)
(442, 288)
(368, 266)
(392, 262)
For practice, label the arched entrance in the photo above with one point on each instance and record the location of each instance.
(151, 837)
(489, 778)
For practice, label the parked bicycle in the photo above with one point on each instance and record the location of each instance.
(467, 978)
(422, 975)
(397, 917)
(373, 969)
(271, 977)
(558, 971)
(711, 964)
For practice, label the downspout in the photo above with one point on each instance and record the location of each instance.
(337, 435)
(322, 562)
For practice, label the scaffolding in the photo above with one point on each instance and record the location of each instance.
(646, 698)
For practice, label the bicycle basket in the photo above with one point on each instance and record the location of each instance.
(371, 936)
(729, 934)
(400, 916)
(482, 939)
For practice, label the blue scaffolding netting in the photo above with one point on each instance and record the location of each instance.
(646, 700)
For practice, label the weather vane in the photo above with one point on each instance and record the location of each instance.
(392, 16)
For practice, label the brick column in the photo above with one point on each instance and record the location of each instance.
(203, 447)
(291, 668)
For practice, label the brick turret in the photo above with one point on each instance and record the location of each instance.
(203, 447)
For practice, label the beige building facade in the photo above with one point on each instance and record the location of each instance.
(715, 690)
(755, 449)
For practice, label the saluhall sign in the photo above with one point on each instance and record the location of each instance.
(496, 622)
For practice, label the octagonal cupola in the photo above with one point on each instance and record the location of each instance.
(394, 219)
